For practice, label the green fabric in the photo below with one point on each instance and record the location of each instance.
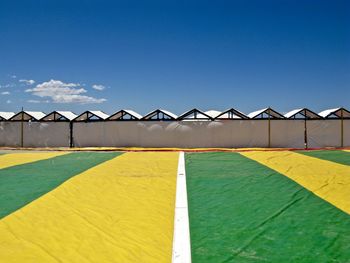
(21, 184)
(241, 211)
(330, 155)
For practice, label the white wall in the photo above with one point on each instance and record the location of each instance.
(287, 133)
(46, 134)
(346, 133)
(324, 133)
(10, 134)
(186, 134)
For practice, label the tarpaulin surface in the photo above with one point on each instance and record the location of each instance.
(7, 160)
(120, 210)
(21, 184)
(337, 156)
(248, 206)
(243, 211)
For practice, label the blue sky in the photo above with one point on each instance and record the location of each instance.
(174, 55)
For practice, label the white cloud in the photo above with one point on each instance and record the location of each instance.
(60, 92)
(5, 93)
(11, 85)
(27, 81)
(34, 101)
(13, 76)
(8, 101)
(98, 87)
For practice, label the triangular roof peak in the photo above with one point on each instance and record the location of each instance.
(231, 114)
(28, 116)
(194, 114)
(124, 115)
(303, 113)
(335, 113)
(265, 114)
(91, 116)
(159, 115)
(59, 116)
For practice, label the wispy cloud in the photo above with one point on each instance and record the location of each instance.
(98, 87)
(5, 93)
(38, 101)
(10, 85)
(13, 76)
(27, 81)
(60, 92)
(8, 101)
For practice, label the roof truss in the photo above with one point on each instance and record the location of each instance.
(231, 114)
(159, 115)
(303, 113)
(123, 115)
(337, 113)
(55, 116)
(194, 114)
(88, 116)
(26, 116)
(267, 113)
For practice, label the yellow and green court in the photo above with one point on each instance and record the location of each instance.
(248, 206)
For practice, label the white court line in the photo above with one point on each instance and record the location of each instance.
(181, 240)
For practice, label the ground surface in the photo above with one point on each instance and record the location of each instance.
(251, 206)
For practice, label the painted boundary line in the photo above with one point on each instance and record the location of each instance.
(181, 239)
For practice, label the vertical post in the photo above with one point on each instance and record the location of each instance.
(305, 131)
(71, 143)
(342, 127)
(22, 128)
(269, 128)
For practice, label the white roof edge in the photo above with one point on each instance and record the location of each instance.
(133, 113)
(292, 112)
(200, 112)
(169, 113)
(164, 111)
(130, 112)
(296, 111)
(227, 110)
(36, 114)
(256, 113)
(327, 112)
(100, 114)
(6, 114)
(67, 114)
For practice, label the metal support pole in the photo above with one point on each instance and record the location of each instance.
(269, 128)
(22, 128)
(342, 127)
(305, 134)
(71, 143)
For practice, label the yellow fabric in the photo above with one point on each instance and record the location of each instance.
(328, 180)
(13, 159)
(119, 211)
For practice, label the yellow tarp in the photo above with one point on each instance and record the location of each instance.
(119, 211)
(328, 180)
(13, 159)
